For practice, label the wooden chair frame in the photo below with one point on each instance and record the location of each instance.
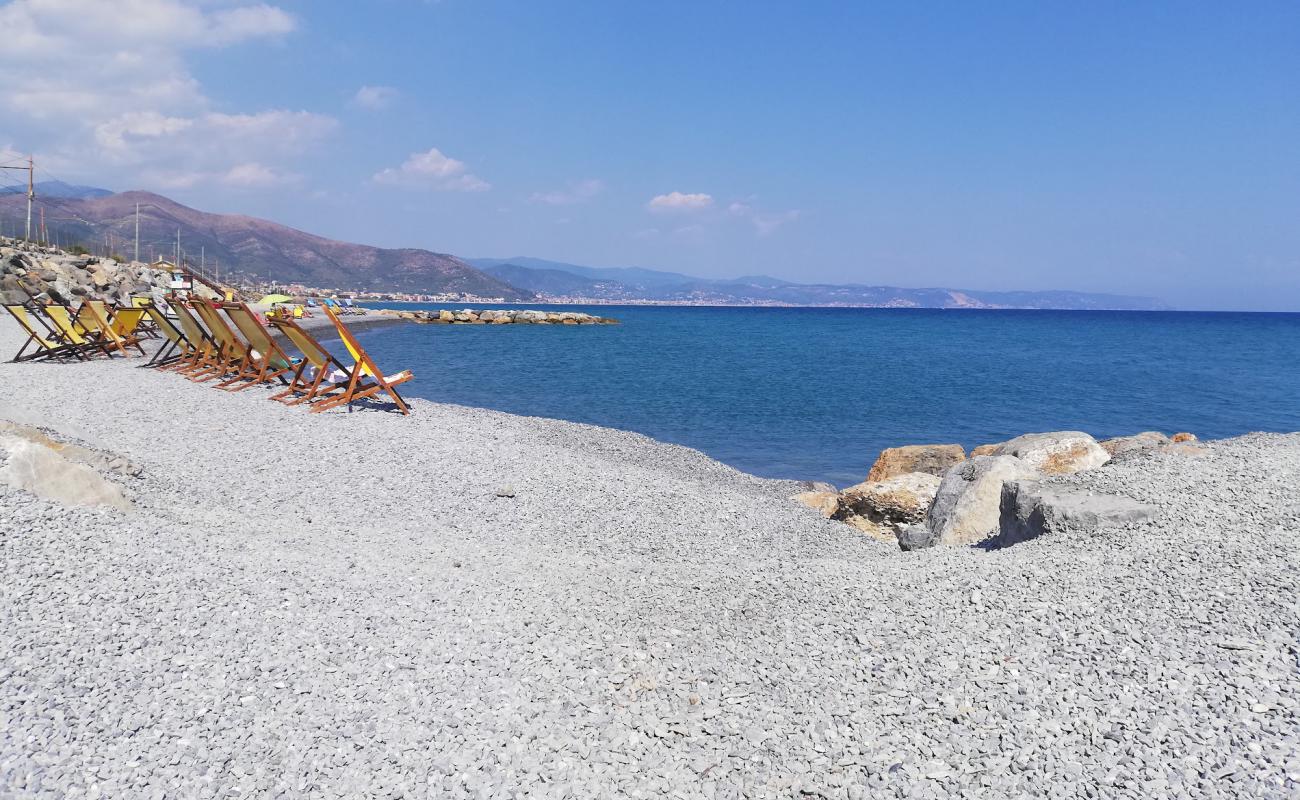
(53, 347)
(325, 363)
(264, 361)
(357, 388)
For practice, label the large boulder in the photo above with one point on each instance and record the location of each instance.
(1138, 442)
(44, 472)
(882, 507)
(824, 503)
(932, 459)
(966, 506)
(1057, 453)
(1030, 509)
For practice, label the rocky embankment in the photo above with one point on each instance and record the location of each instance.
(53, 275)
(469, 316)
(933, 494)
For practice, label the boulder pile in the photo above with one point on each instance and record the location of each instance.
(927, 495)
(469, 316)
(54, 275)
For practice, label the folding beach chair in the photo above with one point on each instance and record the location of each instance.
(72, 332)
(231, 350)
(358, 387)
(201, 347)
(148, 327)
(264, 361)
(47, 340)
(322, 362)
(94, 316)
(176, 345)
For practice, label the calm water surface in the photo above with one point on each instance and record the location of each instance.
(816, 393)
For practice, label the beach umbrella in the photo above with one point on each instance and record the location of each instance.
(276, 298)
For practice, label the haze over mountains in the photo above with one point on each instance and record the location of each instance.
(573, 281)
(259, 248)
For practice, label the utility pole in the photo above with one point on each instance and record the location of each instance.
(137, 231)
(178, 248)
(43, 236)
(31, 193)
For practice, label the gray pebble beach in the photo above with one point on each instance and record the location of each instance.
(465, 603)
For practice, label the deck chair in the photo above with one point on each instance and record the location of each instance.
(148, 327)
(365, 379)
(175, 345)
(323, 363)
(203, 350)
(72, 332)
(47, 340)
(94, 316)
(264, 361)
(231, 350)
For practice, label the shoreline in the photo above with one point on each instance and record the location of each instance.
(316, 602)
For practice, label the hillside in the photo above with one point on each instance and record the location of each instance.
(571, 281)
(254, 247)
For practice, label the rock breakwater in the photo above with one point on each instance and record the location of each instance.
(511, 316)
(51, 275)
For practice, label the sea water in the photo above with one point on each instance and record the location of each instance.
(816, 393)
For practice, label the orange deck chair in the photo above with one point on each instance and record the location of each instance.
(364, 379)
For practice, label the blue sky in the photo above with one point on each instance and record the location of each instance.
(1132, 147)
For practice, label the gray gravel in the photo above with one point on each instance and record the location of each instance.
(344, 605)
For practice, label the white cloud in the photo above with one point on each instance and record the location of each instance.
(106, 90)
(647, 233)
(765, 223)
(432, 170)
(676, 201)
(374, 98)
(576, 192)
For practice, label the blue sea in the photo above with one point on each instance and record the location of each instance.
(816, 393)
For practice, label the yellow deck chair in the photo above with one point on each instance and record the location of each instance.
(322, 361)
(203, 350)
(176, 345)
(265, 361)
(231, 351)
(72, 332)
(95, 316)
(365, 367)
(39, 333)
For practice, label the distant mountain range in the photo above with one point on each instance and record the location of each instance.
(257, 248)
(58, 189)
(611, 284)
(247, 246)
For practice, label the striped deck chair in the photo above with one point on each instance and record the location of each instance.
(48, 342)
(72, 332)
(365, 378)
(264, 361)
(231, 350)
(323, 363)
